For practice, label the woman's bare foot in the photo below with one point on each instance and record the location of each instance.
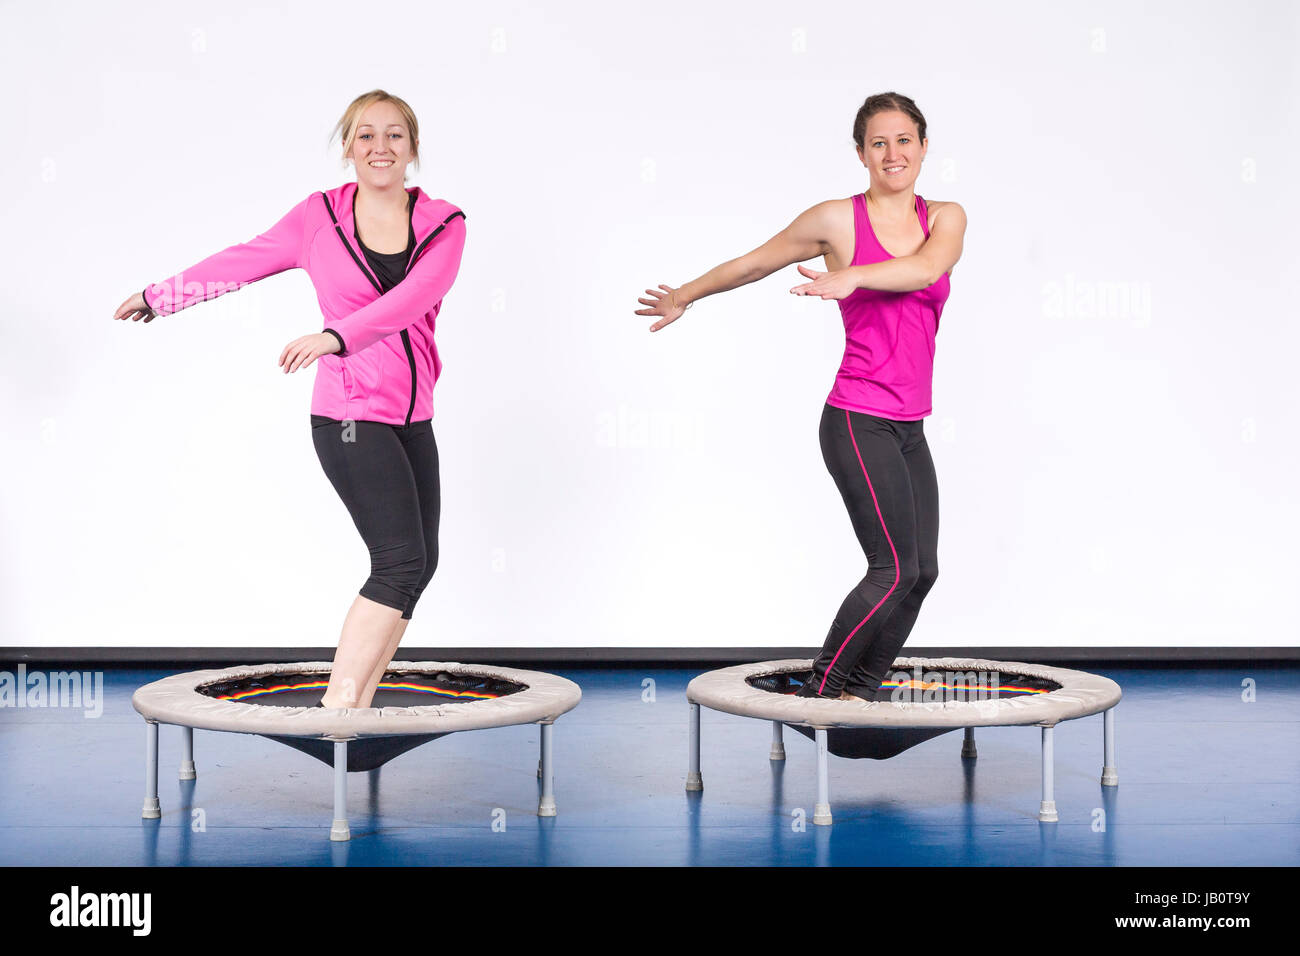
(845, 695)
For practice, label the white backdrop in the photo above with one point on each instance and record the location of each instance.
(1114, 400)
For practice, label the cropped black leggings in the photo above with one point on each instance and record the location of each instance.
(387, 476)
(885, 475)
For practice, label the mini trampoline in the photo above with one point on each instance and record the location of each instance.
(932, 696)
(414, 704)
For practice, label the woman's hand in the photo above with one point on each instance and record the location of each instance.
(828, 285)
(135, 309)
(665, 304)
(302, 352)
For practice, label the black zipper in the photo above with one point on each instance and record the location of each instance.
(406, 336)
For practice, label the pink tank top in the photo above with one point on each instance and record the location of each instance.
(888, 336)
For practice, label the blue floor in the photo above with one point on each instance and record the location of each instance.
(1205, 778)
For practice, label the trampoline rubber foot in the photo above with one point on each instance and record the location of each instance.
(187, 771)
(1047, 812)
(777, 752)
(546, 809)
(340, 832)
(822, 814)
(1109, 777)
(968, 749)
(694, 781)
(151, 809)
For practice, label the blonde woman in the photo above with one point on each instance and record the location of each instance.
(381, 257)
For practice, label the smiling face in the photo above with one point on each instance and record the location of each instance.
(891, 150)
(381, 146)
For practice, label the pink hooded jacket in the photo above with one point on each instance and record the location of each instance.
(389, 363)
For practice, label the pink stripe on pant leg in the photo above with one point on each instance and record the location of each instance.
(892, 550)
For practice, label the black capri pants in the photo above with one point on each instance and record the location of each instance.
(884, 473)
(387, 476)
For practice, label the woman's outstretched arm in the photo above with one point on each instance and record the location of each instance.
(232, 268)
(803, 239)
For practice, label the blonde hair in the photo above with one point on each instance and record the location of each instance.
(346, 128)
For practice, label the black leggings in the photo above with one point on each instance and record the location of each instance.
(387, 476)
(886, 477)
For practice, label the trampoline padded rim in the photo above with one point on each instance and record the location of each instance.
(176, 700)
(1080, 695)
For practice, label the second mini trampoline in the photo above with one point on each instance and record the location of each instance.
(414, 704)
(921, 698)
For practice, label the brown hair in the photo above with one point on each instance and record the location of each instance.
(884, 103)
(346, 128)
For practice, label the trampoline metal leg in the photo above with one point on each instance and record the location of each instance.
(187, 757)
(1047, 809)
(968, 743)
(151, 809)
(1109, 773)
(339, 830)
(822, 812)
(547, 806)
(694, 781)
(778, 745)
